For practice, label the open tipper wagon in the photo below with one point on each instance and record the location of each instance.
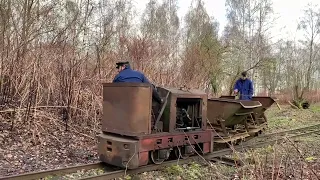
(229, 117)
(266, 102)
(258, 122)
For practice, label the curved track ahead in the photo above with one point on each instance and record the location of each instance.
(114, 172)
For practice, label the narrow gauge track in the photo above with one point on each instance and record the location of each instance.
(297, 131)
(54, 172)
(114, 172)
(208, 157)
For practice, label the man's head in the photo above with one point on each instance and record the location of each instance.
(244, 75)
(122, 65)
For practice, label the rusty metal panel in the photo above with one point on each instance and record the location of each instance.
(227, 97)
(184, 91)
(118, 151)
(266, 102)
(127, 108)
(143, 158)
(231, 111)
(244, 103)
(170, 113)
(207, 147)
(169, 140)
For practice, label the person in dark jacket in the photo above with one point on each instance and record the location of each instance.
(244, 86)
(126, 74)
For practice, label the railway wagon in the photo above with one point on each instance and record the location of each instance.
(136, 131)
(233, 121)
(259, 114)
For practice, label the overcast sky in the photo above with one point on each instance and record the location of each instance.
(287, 11)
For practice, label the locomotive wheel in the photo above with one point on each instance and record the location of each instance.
(180, 153)
(155, 157)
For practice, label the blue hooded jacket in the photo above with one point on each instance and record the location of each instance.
(129, 75)
(245, 87)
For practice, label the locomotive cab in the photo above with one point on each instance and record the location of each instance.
(185, 110)
(188, 115)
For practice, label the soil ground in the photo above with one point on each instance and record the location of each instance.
(49, 146)
(46, 145)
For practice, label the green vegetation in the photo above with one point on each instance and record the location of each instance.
(192, 171)
(315, 108)
(288, 118)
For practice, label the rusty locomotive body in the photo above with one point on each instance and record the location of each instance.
(137, 131)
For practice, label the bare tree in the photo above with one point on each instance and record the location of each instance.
(246, 33)
(310, 24)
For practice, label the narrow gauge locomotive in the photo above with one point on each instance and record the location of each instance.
(137, 131)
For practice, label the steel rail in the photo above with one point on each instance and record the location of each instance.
(118, 173)
(152, 167)
(225, 161)
(53, 172)
(304, 131)
(290, 130)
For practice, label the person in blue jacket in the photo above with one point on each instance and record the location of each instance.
(126, 74)
(244, 86)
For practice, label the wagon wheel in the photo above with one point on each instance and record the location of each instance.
(181, 153)
(235, 142)
(155, 157)
(239, 141)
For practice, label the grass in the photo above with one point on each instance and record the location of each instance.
(315, 108)
(288, 118)
(192, 171)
